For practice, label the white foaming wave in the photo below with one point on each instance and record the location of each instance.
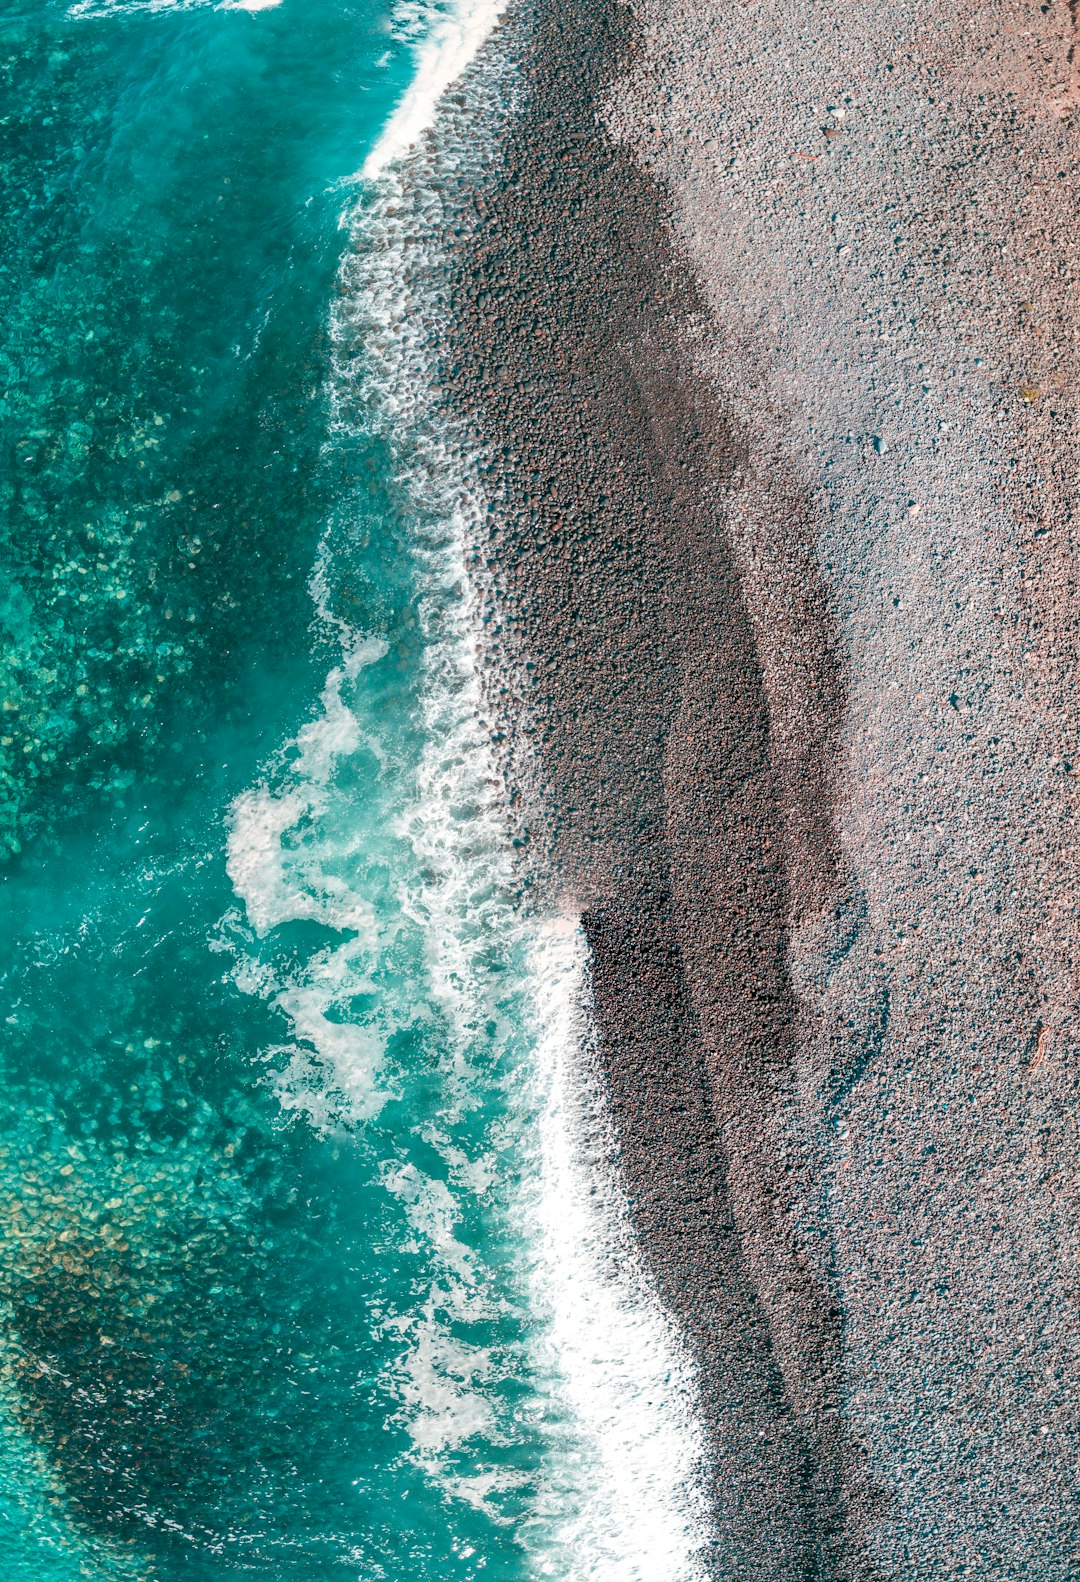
(282, 871)
(451, 41)
(618, 1370)
(456, 889)
(623, 1501)
(279, 884)
(454, 827)
(442, 1380)
(623, 1371)
(287, 860)
(99, 10)
(453, 824)
(433, 1212)
(459, 896)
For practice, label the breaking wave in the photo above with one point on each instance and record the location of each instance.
(383, 827)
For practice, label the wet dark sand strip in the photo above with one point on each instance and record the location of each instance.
(682, 716)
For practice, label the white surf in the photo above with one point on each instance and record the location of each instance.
(449, 43)
(622, 1499)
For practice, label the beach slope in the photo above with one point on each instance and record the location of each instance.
(764, 328)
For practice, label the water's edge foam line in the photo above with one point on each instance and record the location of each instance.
(622, 1379)
(451, 44)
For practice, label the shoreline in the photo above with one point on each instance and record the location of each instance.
(781, 652)
(625, 1440)
(608, 555)
(781, 657)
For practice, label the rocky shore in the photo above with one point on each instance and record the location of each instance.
(764, 322)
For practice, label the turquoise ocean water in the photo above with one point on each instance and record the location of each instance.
(313, 1262)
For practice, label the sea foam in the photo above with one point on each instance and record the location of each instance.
(619, 1499)
(623, 1376)
(448, 44)
(100, 10)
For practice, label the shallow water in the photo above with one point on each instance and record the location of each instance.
(314, 1262)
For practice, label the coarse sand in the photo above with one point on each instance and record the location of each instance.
(764, 327)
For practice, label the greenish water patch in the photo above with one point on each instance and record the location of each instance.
(171, 196)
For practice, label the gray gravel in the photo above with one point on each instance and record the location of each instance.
(763, 318)
(880, 205)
